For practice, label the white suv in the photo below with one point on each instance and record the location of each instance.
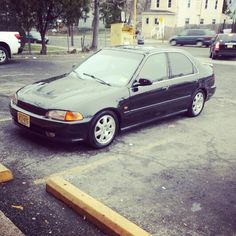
(9, 44)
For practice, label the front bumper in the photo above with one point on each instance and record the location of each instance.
(53, 129)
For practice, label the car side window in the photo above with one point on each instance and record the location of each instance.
(155, 68)
(180, 65)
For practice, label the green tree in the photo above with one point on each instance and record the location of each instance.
(73, 11)
(46, 12)
(110, 11)
(24, 15)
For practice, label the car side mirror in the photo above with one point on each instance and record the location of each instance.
(142, 82)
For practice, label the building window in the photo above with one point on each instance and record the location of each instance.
(216, 4)
(169, 3)
(213, 21)
(187, 21)
(147, 20)
(158, 3)
(156, 21)
(189, 3)
(202, 21)
(206, 3)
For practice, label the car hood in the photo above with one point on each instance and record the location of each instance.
(68, 92)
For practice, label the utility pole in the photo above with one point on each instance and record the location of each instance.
(134, 24)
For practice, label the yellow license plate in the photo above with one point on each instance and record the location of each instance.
(23, 119)
(229, 46)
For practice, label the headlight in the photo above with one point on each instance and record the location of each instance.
(64, 115)
(14, 99)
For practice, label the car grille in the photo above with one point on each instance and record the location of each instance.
(33, 109)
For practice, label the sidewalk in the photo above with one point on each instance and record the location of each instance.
(7, 228)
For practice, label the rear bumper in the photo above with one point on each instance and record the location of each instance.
(210, 92)
(231, 53)
(51, 129)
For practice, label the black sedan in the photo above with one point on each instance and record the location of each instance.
(223, 45)
(115, 89)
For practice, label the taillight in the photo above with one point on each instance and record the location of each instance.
(17, 36)
(217, 46)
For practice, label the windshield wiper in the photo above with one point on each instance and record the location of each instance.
(96, 78)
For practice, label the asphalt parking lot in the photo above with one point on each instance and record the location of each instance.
(172, 177)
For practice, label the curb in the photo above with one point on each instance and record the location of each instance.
(7, 228)
(5, 174)
(102, 216)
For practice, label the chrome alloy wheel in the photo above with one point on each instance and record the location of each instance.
(198, 103)
(3, 56)
(105, 129)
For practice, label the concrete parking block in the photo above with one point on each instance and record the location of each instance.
(7, 228)
(102, 216)
(5, 174)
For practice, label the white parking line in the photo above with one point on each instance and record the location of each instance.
(2, 76)
(5, 119)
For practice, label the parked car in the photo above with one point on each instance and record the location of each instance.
(223, 45)
(34, 37)
(140, 39)
(9, 45)
(113, 90)
(199, 37)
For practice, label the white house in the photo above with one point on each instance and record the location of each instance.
(181, 13)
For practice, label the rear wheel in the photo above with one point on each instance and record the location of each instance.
(103, 129)
(199, 43)
(213, 56)
(197, 104)
(4, 56)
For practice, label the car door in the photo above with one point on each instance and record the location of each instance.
(183, 82)
(183, 37)
(146, 102)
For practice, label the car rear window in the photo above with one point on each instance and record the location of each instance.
(180, 65)
(228, 37)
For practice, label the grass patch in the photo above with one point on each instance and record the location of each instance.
(36, 48)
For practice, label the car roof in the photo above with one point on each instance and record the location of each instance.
(143, 49)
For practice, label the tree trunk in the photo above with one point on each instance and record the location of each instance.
(95, 25)
(72, 35)
(29, 43)
(44, 47)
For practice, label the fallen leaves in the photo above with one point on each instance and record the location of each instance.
(19, 207)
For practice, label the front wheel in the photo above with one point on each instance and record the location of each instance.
(173, 42)
(197, 104)
(103, 129)
(3, 55)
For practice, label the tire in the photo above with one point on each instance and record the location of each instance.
(213, 56)
(103, 129)
(197, 104)
(4, 55)
(199, 43)
(173, 42)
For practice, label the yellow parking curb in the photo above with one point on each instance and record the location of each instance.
(5, 174)
(101, 215)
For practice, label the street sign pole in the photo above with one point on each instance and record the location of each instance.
(134, 24)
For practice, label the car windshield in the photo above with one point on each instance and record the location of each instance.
(228, 37)
(112, 66)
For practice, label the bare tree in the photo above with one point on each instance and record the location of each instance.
(95, 25)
